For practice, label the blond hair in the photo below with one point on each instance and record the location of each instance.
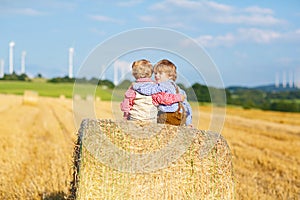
(142, 69)
(167, 67)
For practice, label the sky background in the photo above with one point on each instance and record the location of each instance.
(250, 42)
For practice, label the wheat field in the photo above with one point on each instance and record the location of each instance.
(37, 140)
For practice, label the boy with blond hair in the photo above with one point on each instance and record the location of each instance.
(165, 75)
(141, 107)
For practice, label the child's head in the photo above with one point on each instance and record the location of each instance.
(167, 67)
(142, 69)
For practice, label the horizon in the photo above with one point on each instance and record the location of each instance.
(251, 43)
(286, 86)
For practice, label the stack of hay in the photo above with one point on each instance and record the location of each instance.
(126, 160)
(30, 97)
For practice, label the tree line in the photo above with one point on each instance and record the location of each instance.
(281, 100)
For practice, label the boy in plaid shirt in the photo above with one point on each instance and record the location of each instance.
(165, 75)
(137, 106)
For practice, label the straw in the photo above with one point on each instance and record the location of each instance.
(126, 160)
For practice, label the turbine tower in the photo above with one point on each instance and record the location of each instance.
(277, 80)
(284, 80)
(291, 79)
(11, 57)
(297, 78)
(1, 68)
(23, 62)
(116, 81)
(71, 53)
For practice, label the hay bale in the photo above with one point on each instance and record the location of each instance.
(30, 97)
(77, 97)
(62, 97)
(125, 160)
(90, 98)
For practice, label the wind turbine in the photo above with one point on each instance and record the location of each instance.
(277, 84)
(11, 57)
(291, 79)
(116, 81)
(284, 79)
(1, 68)
(71, 53)
(23, 62)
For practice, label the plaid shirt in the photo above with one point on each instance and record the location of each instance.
(157, 98)
(168, 87)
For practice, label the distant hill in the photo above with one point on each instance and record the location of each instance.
(273, 88)
(264, 88)
(268, 97)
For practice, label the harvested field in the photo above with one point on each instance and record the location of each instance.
(37, 141)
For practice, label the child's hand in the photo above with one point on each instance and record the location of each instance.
(125, 116)
(182, 97)
(190, 126)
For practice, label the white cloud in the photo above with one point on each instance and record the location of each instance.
(258, 35)
(211, 41)
(154, 20)
(190, 5)
(57, 5)
(241, 55)
(251, 35)
(284, 60)
(148, 18)
(22, 11)
(97, 31)
(37, 8)
(103, 18)
(122, 64)
(259, 20)
(259, 10)
(182, 3)
(129, 3)
(219, 7)
(122, 69)
(188, 12)
(205, 40)
(29, 11)
(293, 36)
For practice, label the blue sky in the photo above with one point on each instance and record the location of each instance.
(250, 42)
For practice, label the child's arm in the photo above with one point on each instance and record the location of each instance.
(188, 109)
(166, 98)
(128, 102)
(149, 88)
(189, 114)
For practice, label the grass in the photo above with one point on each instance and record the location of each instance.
(48, 89)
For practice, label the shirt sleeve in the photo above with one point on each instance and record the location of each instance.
(163, 98)
(128, 101)
(149, 88)
(188, 109)
(188, 113)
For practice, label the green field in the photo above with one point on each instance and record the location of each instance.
(50, 89)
